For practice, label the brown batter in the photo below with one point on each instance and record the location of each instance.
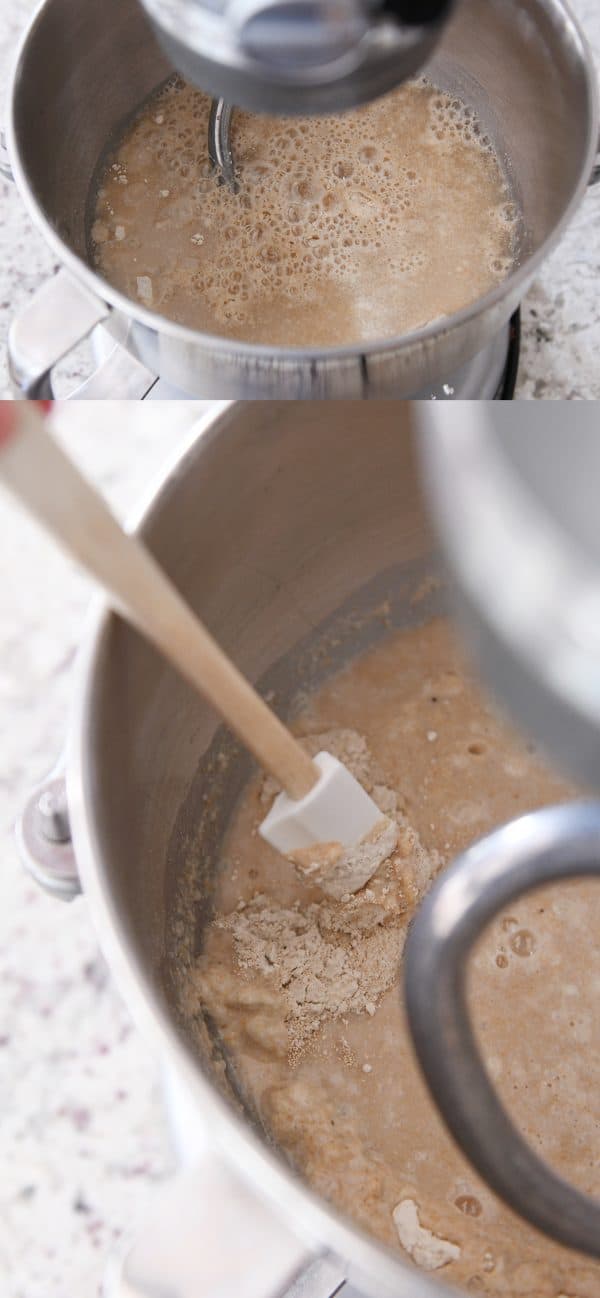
(333, 1077)
(361, 226)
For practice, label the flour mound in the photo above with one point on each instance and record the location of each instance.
(325, 961)
(337, 956)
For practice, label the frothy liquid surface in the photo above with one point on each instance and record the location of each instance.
(349, 228)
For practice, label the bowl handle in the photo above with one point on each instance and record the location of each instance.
(547, 846)
(59, 316)
(208, 1235)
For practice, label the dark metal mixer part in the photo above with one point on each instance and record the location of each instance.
(219, 142)
(303, 42)
(548, 846)
(298, 56)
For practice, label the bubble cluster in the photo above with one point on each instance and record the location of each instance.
(366, 224)
(523, 943)
(469, 1205)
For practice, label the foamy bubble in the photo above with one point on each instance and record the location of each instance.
(373, 216)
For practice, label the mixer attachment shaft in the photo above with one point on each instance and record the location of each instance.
(219, 142)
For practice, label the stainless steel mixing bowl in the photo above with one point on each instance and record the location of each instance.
(83, 69)
(300, 542)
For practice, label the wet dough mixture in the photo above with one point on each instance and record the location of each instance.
(361, 226)
(304, 989)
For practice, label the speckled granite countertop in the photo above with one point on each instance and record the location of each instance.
(82, 1134)
(561, 314)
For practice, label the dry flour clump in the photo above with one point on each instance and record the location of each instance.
(429, 1251)
(326, 960)
(331, 958)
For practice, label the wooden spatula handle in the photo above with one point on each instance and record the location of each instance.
(38, 471)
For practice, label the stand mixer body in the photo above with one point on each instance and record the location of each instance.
(298, 56)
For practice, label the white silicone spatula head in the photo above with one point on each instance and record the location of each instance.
(335, 835)
(336, 809)
(322, 804)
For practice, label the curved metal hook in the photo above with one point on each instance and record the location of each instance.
(547, 846)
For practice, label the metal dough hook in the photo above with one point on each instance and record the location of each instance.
(543, 847)
(219, 142)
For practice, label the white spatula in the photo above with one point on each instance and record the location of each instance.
(322, 803)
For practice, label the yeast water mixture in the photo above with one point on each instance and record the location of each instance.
(304, 993)
(361, 226)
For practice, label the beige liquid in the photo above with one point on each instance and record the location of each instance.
(355, 227)
(348, 1104)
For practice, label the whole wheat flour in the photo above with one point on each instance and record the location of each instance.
(331, 958)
